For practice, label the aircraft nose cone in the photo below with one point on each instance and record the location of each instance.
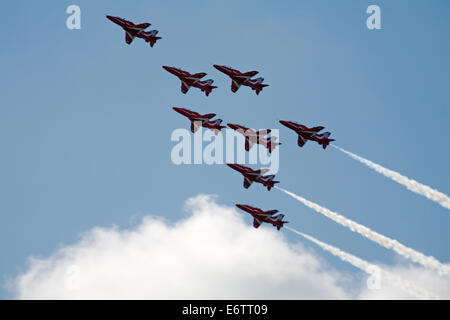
(179, 110)
(232, 126)
(235, 166)
(240, 206)
(285, 123)
(172, 70)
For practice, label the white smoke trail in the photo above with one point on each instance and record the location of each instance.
(429, 262)
(369, 268)
(412, 185)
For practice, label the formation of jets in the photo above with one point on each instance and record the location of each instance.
(237, 79)
(252, 137)
(188, 80)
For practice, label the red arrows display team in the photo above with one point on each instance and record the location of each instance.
(251, 176)
(255, 137)
(305, 134)
(191, 80)
(238, 78)
(260, 216)
(136, 30)
(198, 120)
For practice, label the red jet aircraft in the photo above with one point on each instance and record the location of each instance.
(251, 176)
(260, 216)
(136, 30)
(305, 134)
(198, 120)
(238, 78)
(192, 80)
(255, 137)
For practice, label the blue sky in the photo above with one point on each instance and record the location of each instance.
(85, 120)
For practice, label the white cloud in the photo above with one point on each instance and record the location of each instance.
(212, 254)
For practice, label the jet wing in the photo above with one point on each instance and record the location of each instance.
(263, 132)
(264, 215)
(246, 75)
(247, 183)
(128, 37)
(198, 75)
(317, 129)
(262, 171)
(301, 127)
(184, 87)
(248, 144)
(194, 128)
(142, 26)
(209, 116)
(234, 86)
(256, 223)
(249, 74)
(301, 141)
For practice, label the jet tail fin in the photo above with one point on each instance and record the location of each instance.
(271, 182)
(209, 87)
(271, 143)
(326, 142)
(259, 88)
(153, 41)
(281, 224)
